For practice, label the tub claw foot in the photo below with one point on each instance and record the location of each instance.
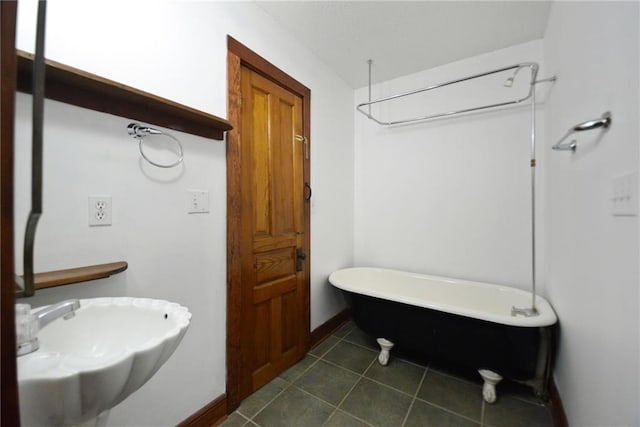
(385, 347)
(489, 388)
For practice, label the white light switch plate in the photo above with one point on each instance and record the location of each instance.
(198, 201)
(624, 198)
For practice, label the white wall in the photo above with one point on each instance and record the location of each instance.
(176, 50)
(452, 197)
(593, 256)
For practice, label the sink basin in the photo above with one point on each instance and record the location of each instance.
(88, 364)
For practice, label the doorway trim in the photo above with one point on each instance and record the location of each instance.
(238, 55)
(9, 408)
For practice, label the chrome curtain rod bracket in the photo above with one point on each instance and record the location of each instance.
(139, 132)
(603, 122)
(517, 67)
(551, 79)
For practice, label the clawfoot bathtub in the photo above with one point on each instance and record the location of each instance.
(459, 322)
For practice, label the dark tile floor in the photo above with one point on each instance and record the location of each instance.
(340, 383)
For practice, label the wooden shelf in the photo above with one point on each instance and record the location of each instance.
(51, 279)
(72, 86)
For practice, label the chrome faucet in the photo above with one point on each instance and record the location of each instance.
(65, 309)
(28, 324)
(526, 312)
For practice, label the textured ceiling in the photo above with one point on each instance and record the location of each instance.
(405, 37)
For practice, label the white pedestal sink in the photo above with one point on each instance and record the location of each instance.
(88, 364)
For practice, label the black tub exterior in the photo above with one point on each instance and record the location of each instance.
(523, 354)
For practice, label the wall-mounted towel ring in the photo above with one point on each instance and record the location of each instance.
(138, 132)
(603, 122)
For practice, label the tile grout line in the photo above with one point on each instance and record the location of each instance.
(447, 410)
(415, 395)
(321, 358)
(350, 415)
(246, 420)
(532, 401)
(268, 402)
(249, 423)
(318, 359)
(335, 408)
(373, 380)
(290, 384)
(435, 405)
(361, 376)
(329, 349)
(377, 350)
(461, 379)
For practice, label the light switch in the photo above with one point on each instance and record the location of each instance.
(624, 200)
(198, 201)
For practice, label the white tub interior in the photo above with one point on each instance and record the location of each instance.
(478, 300)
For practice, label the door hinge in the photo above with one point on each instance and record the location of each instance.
(300, 257)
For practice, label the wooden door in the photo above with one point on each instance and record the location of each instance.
(273, 324)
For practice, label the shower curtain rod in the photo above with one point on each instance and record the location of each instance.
(515, 311)
(517, 67)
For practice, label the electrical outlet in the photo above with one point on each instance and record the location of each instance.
(198, 201)
(99, 210)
